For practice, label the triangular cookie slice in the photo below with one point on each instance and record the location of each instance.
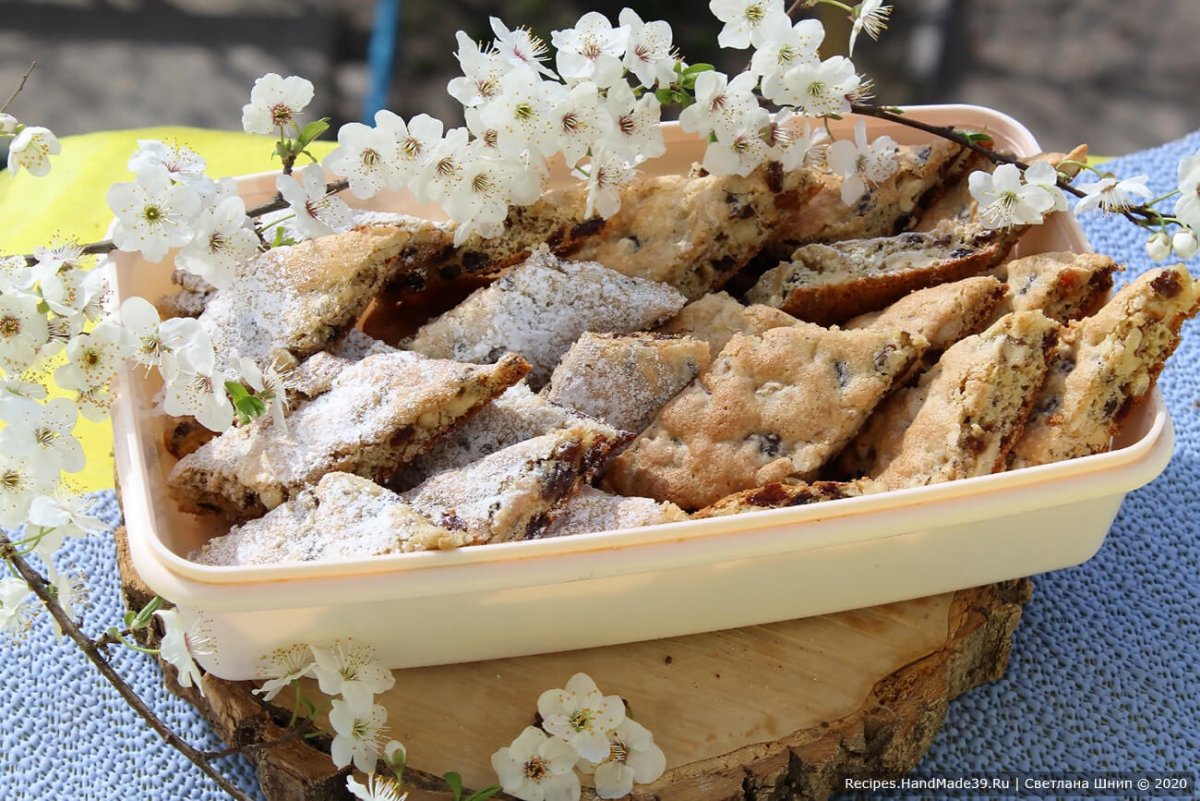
(595, 510)
(768, 408)
(942, 314)
(343, 517)
(1105, 365)
(969, 408)
(379, 413)
(540, 308)
(1063, 286)
(781, 495)
(717, 317)
(829, 284)
(624, 379)
(514, 494)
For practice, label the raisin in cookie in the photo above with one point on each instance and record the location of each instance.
(1063, 286)
(624, 379)
(343, 517)
(378, 414)
(1105, 365)
(768, 408)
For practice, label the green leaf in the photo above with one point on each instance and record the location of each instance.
(455, 782)
(485, 793)
(976, 137)
(246, 405)
(310, 132)
(142, 619)
(128, 619)
(665, 95)
(282, 149)
(696, 69)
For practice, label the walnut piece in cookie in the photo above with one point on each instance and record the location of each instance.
(516, 492)
(343, 517)
(624, 379)
(378, 414)
(540, 308)
(1104, 365)
(969, 409)
(768, 408)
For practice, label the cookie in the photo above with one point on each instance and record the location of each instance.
(829, 284)
(514, 493)
(540, 308)
(379, 413)
(1063, 286)
(624, 379)
(316, 374)
(969, 409)
(343, 517)
(942, 314)
(768, 408)
(595, 510)
(1105, 365)
(717, 317)
(782, 495)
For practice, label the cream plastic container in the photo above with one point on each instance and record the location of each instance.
(598, 589)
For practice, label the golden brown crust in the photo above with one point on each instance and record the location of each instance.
(942, 314)
(715, 318)
(780, 495)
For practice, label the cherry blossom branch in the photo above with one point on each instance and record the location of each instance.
(38, 585)
(20, 86)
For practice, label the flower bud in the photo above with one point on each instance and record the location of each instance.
(1185, 243)
(8, 124)
(1158, 247)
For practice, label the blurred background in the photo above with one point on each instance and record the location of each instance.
(1118, 75)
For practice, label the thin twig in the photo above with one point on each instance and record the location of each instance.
(294, 733)
(41, 589)
(20, 86)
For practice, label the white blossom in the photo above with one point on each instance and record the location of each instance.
(1004, 201)
(649, 52)
(19, 485)
(1158, 247)
(376, 789)
(740, 153)
(582, 716)
(275, 102)
(364, 157)
(13, 390)
(153, 213)
(271, 385)
(32, 149)
(861, 165)
(95, 403)
(794, 142)
(352, 672)
(535, 767)
(92, 358)
(222, 241)
(442, 171)
(1109, 194)
(1185, 243)
(870, 16)
(411, 143)
(607, 173)
(285, 666)
(579, 120)
(23, 330)
(72, 594)
(62, 515)
(784, 48)
(747, 22)
(520, 114)
(636, 133)
(1187, 206)
(180, 645)
(54, 259)
(520, 48)
(632, 758)
(480, 200)
(591, 51)
(357, 733)
(482, 71)
(40, 433)
(148, 340)
(16, 607)
(8, 124)
(189, 394)
(184, 165)
(15, 273)
(722, 105)
(317, 214)
(819, 90)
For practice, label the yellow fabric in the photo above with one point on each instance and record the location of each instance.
(69, 203)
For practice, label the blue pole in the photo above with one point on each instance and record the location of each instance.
(381, 52)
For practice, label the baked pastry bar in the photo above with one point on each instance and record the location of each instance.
(768, 408)
(595, 510)
(516, 415)
(780, 495)
(828, 284)
(316, 374)
(291, 302)
(379, 413)
(540, 308)
(717, 317)
(942, 314)
(514, 493)
(1105, 364)
(343, 517)
(624, 379)
(966, 413)
(1063, 286)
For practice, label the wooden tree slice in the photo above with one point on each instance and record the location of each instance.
(780, 711)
